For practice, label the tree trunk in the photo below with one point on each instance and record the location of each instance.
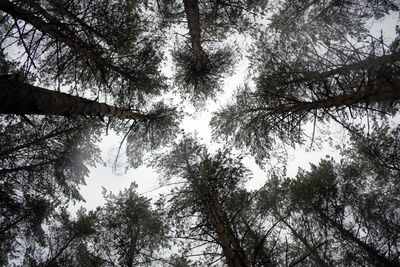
(233, 252)
(385, 93)
(365, 64)
(193, 20)
(20, 98)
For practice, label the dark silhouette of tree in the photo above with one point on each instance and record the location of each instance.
(129, 231)
(43, 165)
(339, 18)
(342, 213)
(21, 98)
(203, 208)
(77, 46)
(308, 81)
(65, 242)
(201, 58)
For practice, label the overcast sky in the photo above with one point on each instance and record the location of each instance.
(147, 179)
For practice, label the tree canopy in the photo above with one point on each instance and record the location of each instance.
(73, 70)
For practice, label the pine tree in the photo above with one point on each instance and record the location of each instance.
(204, 209)
(303, 76)
(129, 232)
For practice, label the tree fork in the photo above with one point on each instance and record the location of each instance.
(21, 98)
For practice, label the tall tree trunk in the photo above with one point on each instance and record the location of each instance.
(376, 256)
(21, 98)
(387, 93)
(365, 64)
(193, 20)
(233, 252)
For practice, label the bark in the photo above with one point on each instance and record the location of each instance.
(193, 20)
(385, 93)
(21, 98)
(57, 30)
(377, 258)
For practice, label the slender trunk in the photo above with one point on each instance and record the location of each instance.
(20, 98)
(376, 257)
(365, 64)
(59, 31)
(233, 252)
(193, 20)
(387, 94)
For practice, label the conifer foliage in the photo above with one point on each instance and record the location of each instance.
(73, 70)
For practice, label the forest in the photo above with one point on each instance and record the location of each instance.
(71, 71)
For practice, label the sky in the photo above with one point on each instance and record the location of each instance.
(103, 176)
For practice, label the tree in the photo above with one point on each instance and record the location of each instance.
(46, 164)
(302, 78)
(204, 208)
(65, 242)
(44, 158)
(21, 98)
(126, 231)
(129, 231)
(80, 47)
(329, 202)
(341, 213)
(43, 164)
(84, 39)
(340, 18)
(202, 59)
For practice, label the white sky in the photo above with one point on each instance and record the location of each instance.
(147, 179)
